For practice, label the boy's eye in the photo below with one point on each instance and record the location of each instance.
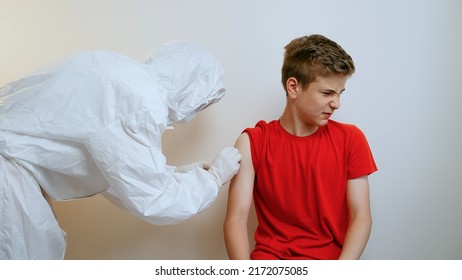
(329, 93)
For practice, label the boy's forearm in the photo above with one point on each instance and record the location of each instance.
(237, 242)
(356, 238)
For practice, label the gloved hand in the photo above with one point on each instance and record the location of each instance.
(188, 167)
(225, 165)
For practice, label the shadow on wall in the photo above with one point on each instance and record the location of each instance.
(98, 230)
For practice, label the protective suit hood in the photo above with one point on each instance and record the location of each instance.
(192, 77)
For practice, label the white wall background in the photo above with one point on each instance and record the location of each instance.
(405, 95)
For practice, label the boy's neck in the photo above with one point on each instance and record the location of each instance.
(295, 126)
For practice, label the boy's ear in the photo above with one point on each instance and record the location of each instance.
(292, 87)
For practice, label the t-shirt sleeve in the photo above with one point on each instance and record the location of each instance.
(360, 159)
(255, 136)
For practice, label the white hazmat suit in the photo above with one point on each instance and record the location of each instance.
(92, 124)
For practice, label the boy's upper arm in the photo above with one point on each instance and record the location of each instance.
(241, 186)
(358, 198)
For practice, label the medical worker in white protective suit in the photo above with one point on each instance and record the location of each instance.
(93, 124)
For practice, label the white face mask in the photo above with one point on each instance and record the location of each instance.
(192, 115)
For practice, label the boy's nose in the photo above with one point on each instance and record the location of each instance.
(335, 102)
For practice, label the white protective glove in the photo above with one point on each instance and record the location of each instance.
(189, 167)
(225, 165)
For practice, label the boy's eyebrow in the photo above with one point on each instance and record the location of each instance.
(332, 91)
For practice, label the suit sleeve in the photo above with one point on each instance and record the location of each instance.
(128, 153)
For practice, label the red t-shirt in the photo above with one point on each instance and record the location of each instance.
(300, 188)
